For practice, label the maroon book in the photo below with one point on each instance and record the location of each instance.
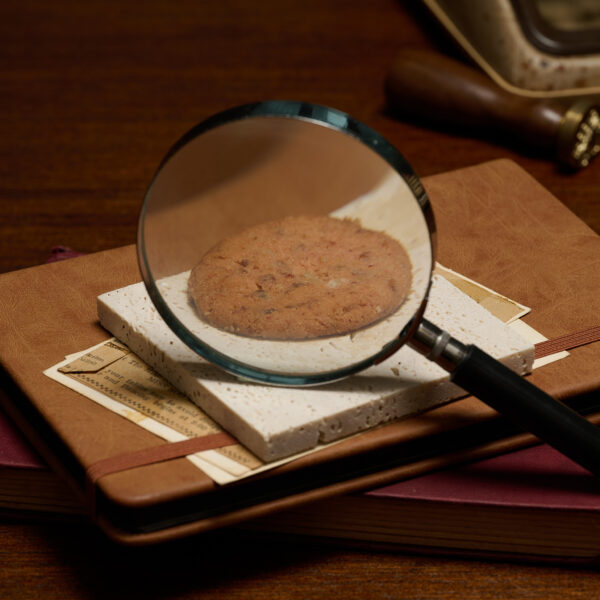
(537, 477)
(26, 483)
(15, 452)
(529, 504)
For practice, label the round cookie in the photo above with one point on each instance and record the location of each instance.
(301, 277)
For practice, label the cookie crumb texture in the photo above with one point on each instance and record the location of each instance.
(301, 277)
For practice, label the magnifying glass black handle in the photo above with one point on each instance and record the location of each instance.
(513, 396)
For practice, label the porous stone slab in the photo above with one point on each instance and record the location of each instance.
(275, 422)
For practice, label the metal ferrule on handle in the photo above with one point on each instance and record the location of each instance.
(512, 395)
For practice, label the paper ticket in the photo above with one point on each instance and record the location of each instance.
(113, 376)
(503, 308)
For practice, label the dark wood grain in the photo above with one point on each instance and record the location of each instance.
(92, 94)
(58, 561)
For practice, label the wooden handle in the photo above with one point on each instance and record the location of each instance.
(436, 89)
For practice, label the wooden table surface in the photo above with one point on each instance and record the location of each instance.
(92, 94)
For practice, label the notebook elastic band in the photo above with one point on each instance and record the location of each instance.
(567, 342)
(151, 455)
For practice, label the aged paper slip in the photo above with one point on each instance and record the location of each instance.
(113, 376)
(116, 378)
(507, 310)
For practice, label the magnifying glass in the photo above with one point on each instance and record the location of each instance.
(290, 244)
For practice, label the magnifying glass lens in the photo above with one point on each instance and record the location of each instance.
(287, 243)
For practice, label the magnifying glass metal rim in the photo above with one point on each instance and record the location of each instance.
(320, 115)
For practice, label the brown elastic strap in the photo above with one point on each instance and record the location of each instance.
(149, 456)
(567, 342)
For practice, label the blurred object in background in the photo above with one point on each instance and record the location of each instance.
(574, 15)
(435, 90)
(540, 48)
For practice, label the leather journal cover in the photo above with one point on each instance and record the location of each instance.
(495, 225)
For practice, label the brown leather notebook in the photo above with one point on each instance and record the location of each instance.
(495, 225)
